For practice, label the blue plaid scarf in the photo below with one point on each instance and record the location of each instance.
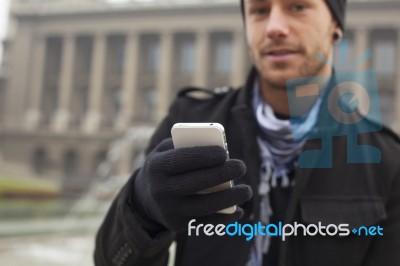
(279, 152)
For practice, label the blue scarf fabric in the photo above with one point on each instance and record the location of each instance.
(279, 152)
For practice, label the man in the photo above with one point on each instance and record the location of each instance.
(160, 200)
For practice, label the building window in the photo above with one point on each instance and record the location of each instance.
(150, 110)
(99, 158)
(223, 56)
(71, 164)
(83, 100)
(50, 93)
(149, 53)
(187, 57)
(54, 46)
(39, 161)
(116, 53)
(112, 103)
(384, 57)
(383, 62)
(116, 101)
(153, 57)
(80, 104)
(146, 104)
(50, 103)
(2, 98)
(84, 55)
(120, 57)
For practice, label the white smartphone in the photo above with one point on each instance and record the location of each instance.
(203, 134)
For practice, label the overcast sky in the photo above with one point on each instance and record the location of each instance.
(4, 6)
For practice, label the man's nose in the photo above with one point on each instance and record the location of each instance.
(276, 26)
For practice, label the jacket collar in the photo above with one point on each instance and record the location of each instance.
(242, 113)
(245, 94)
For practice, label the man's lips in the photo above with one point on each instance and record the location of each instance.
(280, 55)
(280, 52)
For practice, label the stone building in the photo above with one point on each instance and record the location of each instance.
(77, 74)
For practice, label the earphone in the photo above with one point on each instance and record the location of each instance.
(337, 35)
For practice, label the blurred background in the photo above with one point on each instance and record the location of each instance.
(84, 82)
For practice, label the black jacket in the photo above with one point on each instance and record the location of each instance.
(357, 194)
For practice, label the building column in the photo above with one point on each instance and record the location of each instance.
(129, 82)
(239, 72)
(164, 76)
(33, 115)
(96, 84)
(66, 82)
(202, 55)
(397, 88)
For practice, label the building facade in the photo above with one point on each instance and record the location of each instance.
(77, 74)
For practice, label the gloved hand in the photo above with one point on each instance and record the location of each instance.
(166, 186)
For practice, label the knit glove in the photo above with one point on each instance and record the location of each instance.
(166, 188)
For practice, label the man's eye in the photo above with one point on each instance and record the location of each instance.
(298, 7)
(259, 11)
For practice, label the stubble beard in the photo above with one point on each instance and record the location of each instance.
(310, 68)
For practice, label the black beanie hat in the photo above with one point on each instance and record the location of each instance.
(337, 7)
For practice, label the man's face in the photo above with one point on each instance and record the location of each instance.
(285, 37)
